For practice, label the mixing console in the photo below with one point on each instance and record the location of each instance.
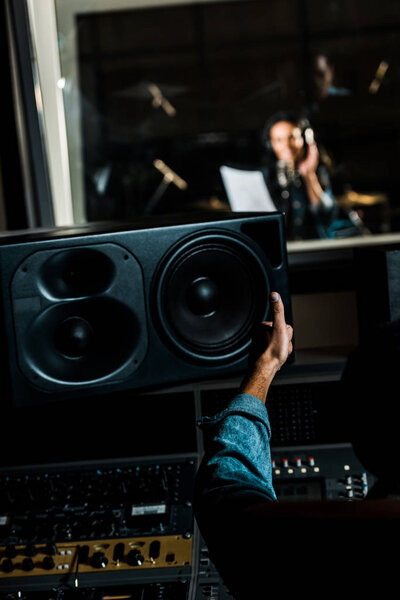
(124, 529)
(66, 523)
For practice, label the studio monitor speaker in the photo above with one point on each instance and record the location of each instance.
(101, 309)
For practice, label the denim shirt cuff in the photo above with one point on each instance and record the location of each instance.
(241, 404)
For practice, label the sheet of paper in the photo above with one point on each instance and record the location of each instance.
(246, 190)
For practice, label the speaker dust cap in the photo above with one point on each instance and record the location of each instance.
(211, 292)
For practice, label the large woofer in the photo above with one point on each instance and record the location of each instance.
(211, 291)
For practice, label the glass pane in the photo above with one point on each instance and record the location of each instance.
(158, 96)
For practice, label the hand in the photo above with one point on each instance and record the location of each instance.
(272, 343)
(308, 171)
(271, 346)
(309, 164)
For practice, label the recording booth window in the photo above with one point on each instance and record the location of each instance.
(157, 97)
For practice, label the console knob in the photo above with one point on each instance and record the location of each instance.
(48, 563)
(51, 549)
(27, 564)
(135, 558)
(30, 550)
(99, 560)
(119, 550)
(10, 551)
(7, 565)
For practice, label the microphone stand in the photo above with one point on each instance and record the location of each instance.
(169, 176)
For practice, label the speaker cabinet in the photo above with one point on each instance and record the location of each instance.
(94, 310)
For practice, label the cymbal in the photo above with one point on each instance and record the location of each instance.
(209, 204)
(353, 198)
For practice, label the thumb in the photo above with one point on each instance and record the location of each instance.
(278, 310)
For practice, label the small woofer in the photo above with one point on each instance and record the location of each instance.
(82, 341)
(211, 292)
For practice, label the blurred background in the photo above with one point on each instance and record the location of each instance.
(141, 102)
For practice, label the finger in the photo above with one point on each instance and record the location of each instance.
(267, 323)
(278, 309)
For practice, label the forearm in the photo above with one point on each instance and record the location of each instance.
(258, 381)
(314, 188)
(237, 460)
(319, 198)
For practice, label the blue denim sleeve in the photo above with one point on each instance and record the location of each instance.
(235, 474)
(236, 467)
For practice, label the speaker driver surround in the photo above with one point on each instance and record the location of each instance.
(211, 292)
(81, 344)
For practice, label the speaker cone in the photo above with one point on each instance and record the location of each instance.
(82, 341)
(73, 337)
(210, 294)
